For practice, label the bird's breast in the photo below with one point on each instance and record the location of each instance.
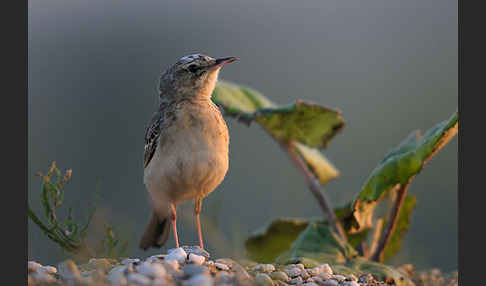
(191, 158)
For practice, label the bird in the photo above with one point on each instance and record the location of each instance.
(186, 145)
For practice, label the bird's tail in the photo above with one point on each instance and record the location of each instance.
(156, 233)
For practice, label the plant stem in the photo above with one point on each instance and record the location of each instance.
(315, 187)
(378, 255)
(376, 237)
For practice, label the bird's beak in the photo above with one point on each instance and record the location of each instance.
(222, 61)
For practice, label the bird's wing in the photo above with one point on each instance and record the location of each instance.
(152, 135)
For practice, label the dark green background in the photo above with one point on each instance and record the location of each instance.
(390, 67)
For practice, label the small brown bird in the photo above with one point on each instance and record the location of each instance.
(186, 145)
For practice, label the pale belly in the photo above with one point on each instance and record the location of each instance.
(191, 159)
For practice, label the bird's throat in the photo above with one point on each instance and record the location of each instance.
(207, 87)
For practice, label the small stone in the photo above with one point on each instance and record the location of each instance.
(48, 269)
(263, 279)
(138, 279)
(264, 268)
(209, 263)
(196, 259)
(293, 271)
(196, 250)
(279, 275)
(68, 270)
(221, 266)
(117, 277)
(304, 274)
(310, 284)
(330, 282)
(326, 268)
(365, 278)
(177, 254)
(171, 264)
(153, 270)
(158, 256)
(159, 282)
(318, 279)
(351, 277)
(241, 275)
(32, 266)
(127, 261)
(280, 283)
(325, 276)
(314, 271)
(297, 280)
(193, 270)
(199, 280)
(44, 277)
(224, 277)
(339, 278)
(300, 266)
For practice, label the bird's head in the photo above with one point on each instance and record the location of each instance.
(192, 76)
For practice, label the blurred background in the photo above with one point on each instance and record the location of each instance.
(390, 66)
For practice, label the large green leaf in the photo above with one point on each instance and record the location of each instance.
(319, 244)
(398, 167)
(268, 243)
(307, 126)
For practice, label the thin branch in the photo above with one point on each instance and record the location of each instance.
(315, 187)
(378, 255)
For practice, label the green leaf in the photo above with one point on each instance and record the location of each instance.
(403, 223)
(398, 167)
(308, 126)
(307, 123)
(266, 244)
(319, 244)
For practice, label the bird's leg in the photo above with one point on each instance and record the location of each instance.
(197, 211)
(174, 226)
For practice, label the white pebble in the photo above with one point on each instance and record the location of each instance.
(264, 268)
(339, 277)
(325, 276)
(196, 259)
(151, 269)
(117, 277)
(326, 268)
(351, 283)
(171, 264)
(263, 279)
(177, 254)
(311, 284)
(48, 269)
(199, 280)
(221, 266)
(138, 279)
(300, 266)
(32, 265)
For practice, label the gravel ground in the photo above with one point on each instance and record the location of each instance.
(191, 266)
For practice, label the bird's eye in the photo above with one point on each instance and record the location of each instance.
(192, 68)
